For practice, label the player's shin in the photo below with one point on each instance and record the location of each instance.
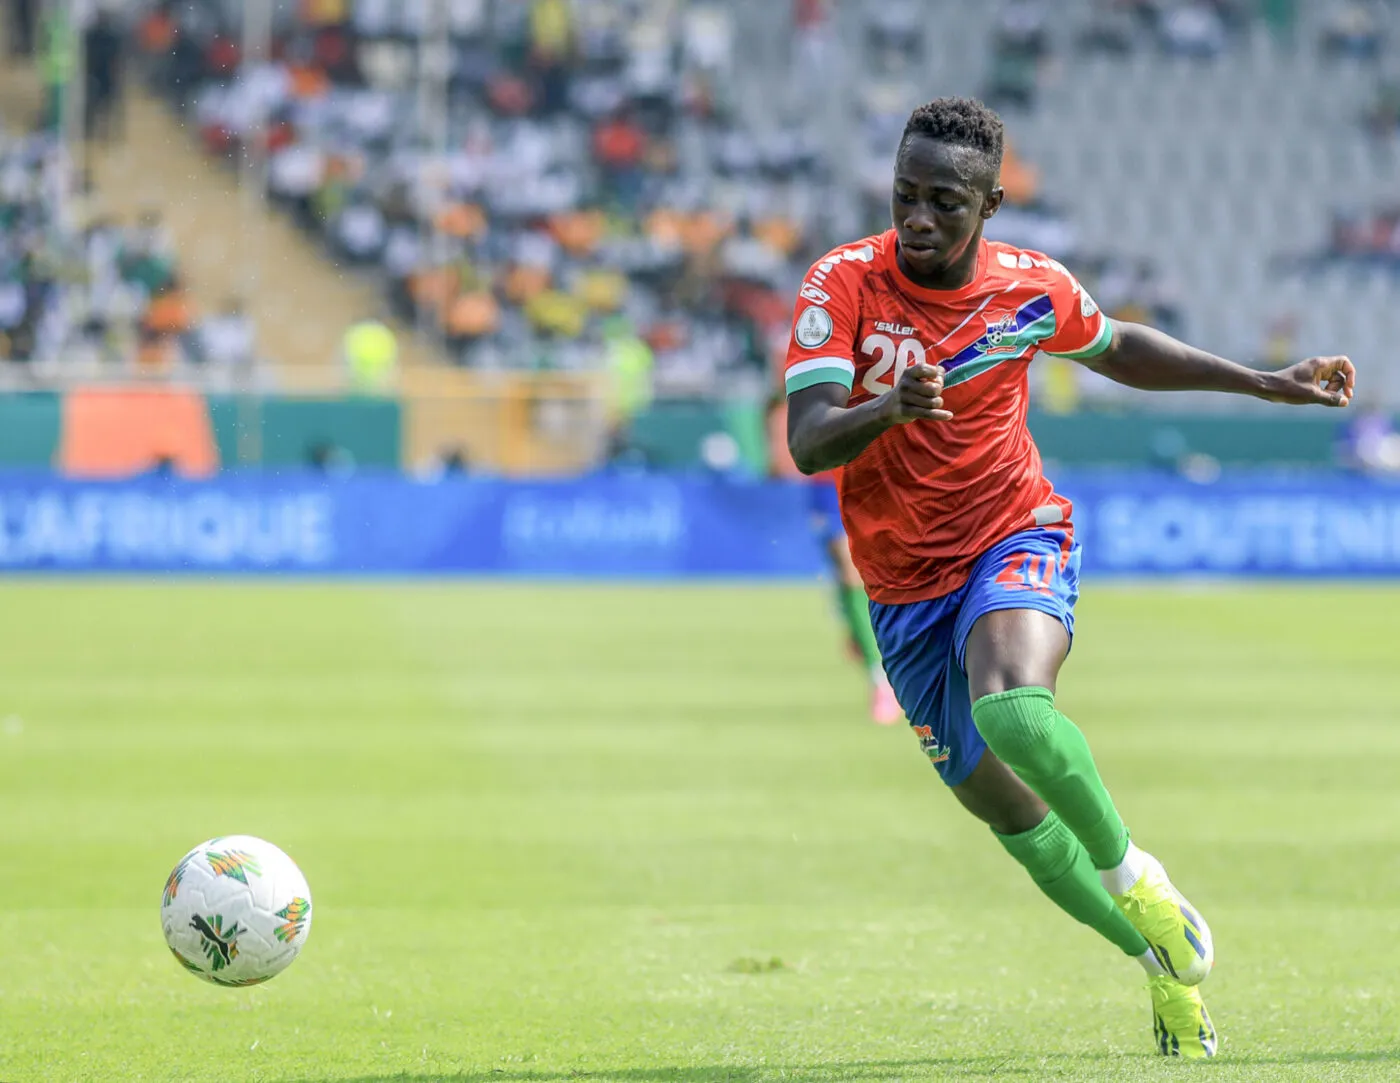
(1061, 869)
(1051, 756)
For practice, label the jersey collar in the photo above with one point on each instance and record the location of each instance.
(923, 293)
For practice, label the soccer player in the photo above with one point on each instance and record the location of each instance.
(852, 604)
(908, 370)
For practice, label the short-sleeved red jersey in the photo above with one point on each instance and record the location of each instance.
(927, 498)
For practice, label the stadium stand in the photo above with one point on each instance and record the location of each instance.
(533, 183)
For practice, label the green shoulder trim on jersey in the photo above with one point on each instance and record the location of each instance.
(820, 370)
(1098, 346)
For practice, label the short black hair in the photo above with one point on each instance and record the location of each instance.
(962, 122)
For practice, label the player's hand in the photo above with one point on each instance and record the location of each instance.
(917, 396)
(1322, 381)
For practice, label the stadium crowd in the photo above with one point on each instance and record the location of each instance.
(585, 177)
(78, 286)
(534, 183)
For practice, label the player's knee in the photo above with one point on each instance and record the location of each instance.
(1016, 724)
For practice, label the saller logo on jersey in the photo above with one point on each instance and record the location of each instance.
(813, 327)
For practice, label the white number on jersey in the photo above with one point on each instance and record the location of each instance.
(888, 356)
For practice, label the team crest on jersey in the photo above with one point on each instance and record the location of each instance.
(813, 328)
(1000, 330)
(1007, 336)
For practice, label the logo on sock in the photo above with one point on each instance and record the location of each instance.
(935, 752)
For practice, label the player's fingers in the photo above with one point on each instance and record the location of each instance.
(924, 372)
(923, 414)
(1347, 371)
(922, 394)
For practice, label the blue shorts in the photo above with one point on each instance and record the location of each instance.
(923, 644)
(824, 508)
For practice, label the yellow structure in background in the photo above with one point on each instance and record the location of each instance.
(515, 423)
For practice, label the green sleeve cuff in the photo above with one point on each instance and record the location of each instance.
(1101, 342)
(820, 370)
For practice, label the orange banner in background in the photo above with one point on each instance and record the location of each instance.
(118, 432)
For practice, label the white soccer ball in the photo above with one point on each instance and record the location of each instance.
(236, 910)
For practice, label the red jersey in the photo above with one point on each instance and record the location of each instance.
(926, 499)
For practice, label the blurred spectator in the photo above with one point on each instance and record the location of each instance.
(328, 457)
(56, 63)
(895, 30)
(1352, 31)
(147, 256)
(1370, 442)
(1019, 42)
(1193, 28)
(1383, 117)
(370, 353)
(23, 22)
(619, 144)
(1281, 16)
(1135, 290)
(104, 46)
(226, 338)
(1110, 28)
(452, 462)
(1361, 239)
(813, 46)
(166, 326)
(1021, 27)
(1280, 348)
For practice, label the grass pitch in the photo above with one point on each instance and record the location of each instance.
(645, 834)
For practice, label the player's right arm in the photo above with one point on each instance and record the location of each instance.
(824, 430)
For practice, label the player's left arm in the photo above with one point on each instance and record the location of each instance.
(1141, 357)
(1145, 358)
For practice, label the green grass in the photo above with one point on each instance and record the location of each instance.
(643, 834)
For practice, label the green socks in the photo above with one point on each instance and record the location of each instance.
(855, 608)
(1061, 868)
(1050, 755)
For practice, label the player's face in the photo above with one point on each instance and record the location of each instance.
(942, 195)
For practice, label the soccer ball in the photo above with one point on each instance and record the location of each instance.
(236, 911)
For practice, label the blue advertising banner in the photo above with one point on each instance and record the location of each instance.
(1137, 524)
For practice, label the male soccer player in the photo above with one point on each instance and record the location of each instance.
(824, 514)
(908, 369)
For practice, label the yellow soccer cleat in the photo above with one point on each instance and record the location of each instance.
(1181, 1026)
(1172, 927)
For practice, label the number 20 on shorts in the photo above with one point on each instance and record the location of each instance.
(1028, 571)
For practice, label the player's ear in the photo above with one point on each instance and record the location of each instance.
(992, 203)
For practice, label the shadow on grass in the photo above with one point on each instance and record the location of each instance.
(1009, 1067)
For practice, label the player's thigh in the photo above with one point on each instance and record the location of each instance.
(1016, 623)
(996, 795)
(1014, 648)
(916, 647)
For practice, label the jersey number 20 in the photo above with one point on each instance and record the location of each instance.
(890, 361)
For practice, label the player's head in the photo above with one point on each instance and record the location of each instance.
(946, 182)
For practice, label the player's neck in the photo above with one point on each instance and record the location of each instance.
(953, 277)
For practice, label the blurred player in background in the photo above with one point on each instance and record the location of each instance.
(907, 370)
(851, 601)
